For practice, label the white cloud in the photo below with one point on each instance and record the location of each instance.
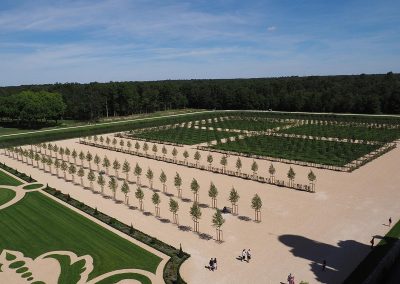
(271, 28)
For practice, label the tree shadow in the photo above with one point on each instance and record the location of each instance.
(203, 205)
(340, 259)
(205, 236)
(186, 200)
(164, 220)
(184, 228)
(244, 218)
(168, 194)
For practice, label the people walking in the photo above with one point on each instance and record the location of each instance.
(290, 278)
(390, 221)
(211, 264)
(323, 265)
(215, 263)
(248, 255)
(243, 255)
(372, 242)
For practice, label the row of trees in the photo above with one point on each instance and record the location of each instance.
(355, 93)
(195, 210)
(197, 157)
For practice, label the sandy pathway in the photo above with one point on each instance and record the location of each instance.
(298, 230)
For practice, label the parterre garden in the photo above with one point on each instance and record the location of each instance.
(37, 225)
(345, 142)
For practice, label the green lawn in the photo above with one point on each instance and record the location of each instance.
(314, 151)
(350, 132)
(183, 135)
(6, 179)
(33, 186)
(6, 195)
(45, 225)
(246, 124)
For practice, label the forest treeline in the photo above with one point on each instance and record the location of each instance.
(371, 94)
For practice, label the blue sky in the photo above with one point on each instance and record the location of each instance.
(45, 41)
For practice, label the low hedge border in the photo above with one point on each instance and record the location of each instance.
(171, 273)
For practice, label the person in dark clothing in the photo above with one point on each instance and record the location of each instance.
(211, 263)
(215, 263)
(372, 242)
(323, 265)
(390, 221)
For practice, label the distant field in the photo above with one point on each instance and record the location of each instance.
(253, 124)
(351, 132)
(313, 151)
(184, 135)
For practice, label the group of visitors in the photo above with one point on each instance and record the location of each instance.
(290, 278)
(213, 264)
(246, 255)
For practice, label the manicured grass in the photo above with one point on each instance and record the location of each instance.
(184, 135)
(6, 179)
(254, 124)
(6, 195)
(114, 279)
(350, 132)
(33, 186)
(45, 225)
(313, 151)
(374, 257)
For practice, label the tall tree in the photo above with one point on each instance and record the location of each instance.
(101, 181)
(178, 183)
(140, 195)
(97, 161)
(150, 176)
(210, 159)
(156, 201)
(106, 163)
(197, 157)
(72, 171)
(195, 212)
(254, 168)
(312, 177)
(89, 158)
(138, 172)
(163, 179)
(174, 207)
(113, 185)
(125, 190)
(116, 167)
(218, 221)
(291, 175)
(91, 177)
(224, 162)
(126, 168)
(238, 165)
(194, 186)
(81, 174)
(271, 171)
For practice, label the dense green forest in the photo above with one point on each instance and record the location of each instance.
(371, 94)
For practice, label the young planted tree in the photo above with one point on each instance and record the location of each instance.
(217, 222)
(89, 158)
(50, 148)
(140, 195)
(55, 149)
(49, 162)
(254, 168)
(43, 159)
(129, 145)
(210, 159)
(64, 168)
(197, 157)
(164, 151)
(108, 141)
(116, 167)
(121, 143)
(74, 155)
(291, 175)
(101, 181)
(125, 190)
(67, 153)
(106, 163)
(256, 204)
(57, 165)
(72, 172)
(44, 146)
(61, 151)
(174, 153)
(91, 177)
(113, 185)
(213, 193)
(150, 176)
(195, 212)
(234, 198)
(178, 183)
(145, 147)
(163, 179)
(137, 172)
(224, 162)
(126, 168)
(114, 143)
(95, 139)
(185, 156)
(238, 165)
(271, 171)
(174, 207)
(37, 159)
(156, 201)
(154, 149)
(82, 157)
(194, 187)
(101, 140)
(81, 174)
(97, 161)
(312, 177)
(137, 147)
